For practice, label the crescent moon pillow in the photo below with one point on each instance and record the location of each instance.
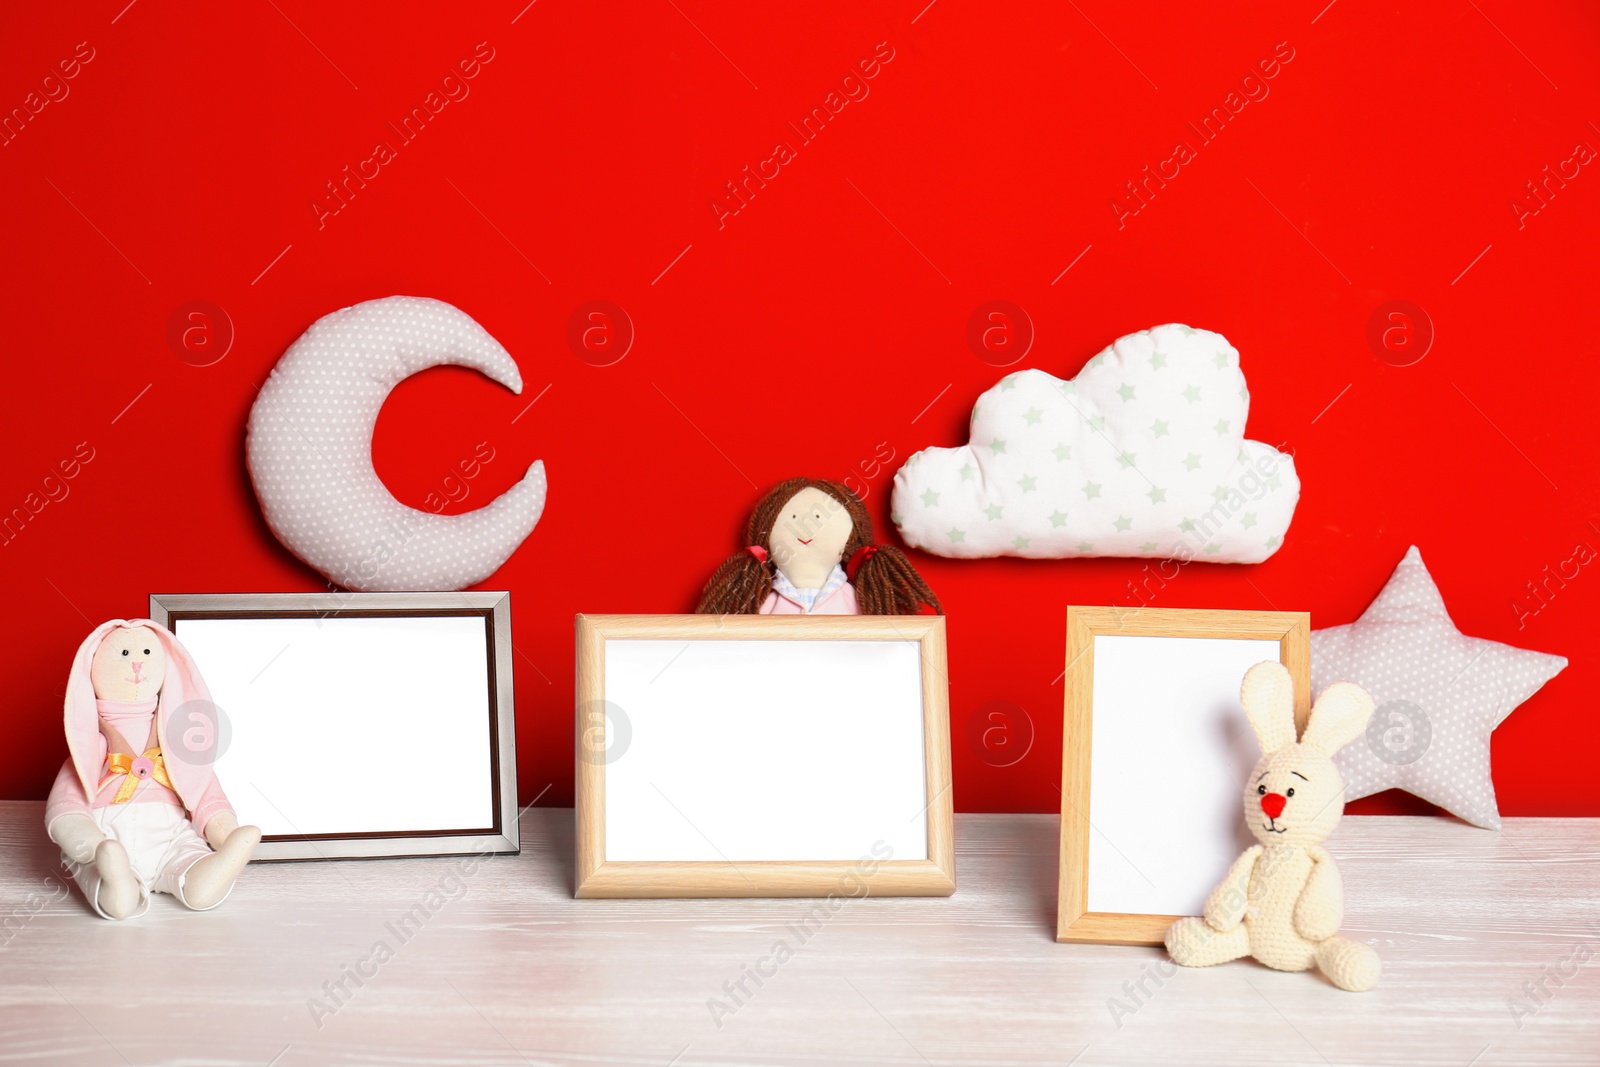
(309, 449)
(1142, 454)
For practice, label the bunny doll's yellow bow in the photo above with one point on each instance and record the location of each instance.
(135, 769)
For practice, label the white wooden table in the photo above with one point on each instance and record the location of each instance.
(510, 969)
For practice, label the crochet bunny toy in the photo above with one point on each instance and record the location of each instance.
(128, 809)
(1282, 901)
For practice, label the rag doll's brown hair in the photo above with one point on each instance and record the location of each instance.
(885, 581)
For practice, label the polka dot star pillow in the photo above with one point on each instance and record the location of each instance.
(1142, 454)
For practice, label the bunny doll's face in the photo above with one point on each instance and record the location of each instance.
(1293, 797)
(129, 666)
(809, 536)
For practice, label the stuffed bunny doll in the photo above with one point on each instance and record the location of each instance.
(1282, 901)
(128, 809)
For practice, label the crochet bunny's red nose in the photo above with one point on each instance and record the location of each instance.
(1273, 804)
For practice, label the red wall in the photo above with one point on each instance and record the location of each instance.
(823, 318)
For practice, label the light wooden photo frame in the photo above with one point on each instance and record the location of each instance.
(763, 756)
(1151, 778)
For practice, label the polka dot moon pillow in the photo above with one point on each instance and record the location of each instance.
(309, 448)
(1142, 454)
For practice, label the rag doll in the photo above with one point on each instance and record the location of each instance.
(1282, 901)
(810, 551)
(132, 814)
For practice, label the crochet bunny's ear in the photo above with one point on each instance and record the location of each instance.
(1339, 716)
(1268, 698)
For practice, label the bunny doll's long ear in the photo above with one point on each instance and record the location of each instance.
(1339, 716)
(1268, 698)
(82, 720)
(188, 766)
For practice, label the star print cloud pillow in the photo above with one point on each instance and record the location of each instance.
(1142, 454)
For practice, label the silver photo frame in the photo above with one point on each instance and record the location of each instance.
(355, 725)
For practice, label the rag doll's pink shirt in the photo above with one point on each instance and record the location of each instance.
(67, 796)
(842, 601)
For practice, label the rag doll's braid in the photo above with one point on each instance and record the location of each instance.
(737, 587)
(887, 584)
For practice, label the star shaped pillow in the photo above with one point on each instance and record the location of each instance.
(1439, 695)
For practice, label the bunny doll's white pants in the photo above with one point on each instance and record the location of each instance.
(161, 845)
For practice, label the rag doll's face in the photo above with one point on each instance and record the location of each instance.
(129, 666)
(1293, 797)
(809, 536)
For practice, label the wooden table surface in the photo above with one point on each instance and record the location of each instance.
(507, 968)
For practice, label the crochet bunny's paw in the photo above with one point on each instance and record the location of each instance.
(1192, 942)
(1352, 965)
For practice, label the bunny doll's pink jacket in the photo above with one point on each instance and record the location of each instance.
(77, 787)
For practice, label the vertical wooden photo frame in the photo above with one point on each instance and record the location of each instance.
(1155, 750)
(763, 756)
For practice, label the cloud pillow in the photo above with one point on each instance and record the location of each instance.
(1142, 454)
